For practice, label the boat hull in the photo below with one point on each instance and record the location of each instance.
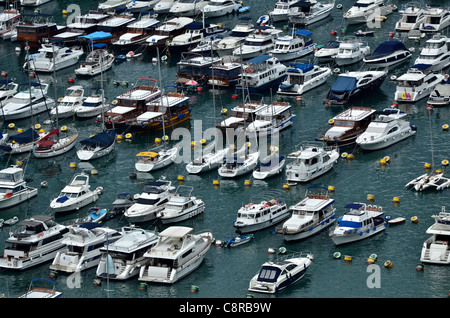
(345, 239)
(182, 217)
(18, 198)
(248, 228)
(316, 228)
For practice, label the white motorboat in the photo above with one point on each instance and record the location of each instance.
(387, 129)
(218, 8)
(150, 202)
(294, 46)
(440, 96)
(435, 249)
(37, 240)
(54, 144)
(22, 142)
(435, 53)
(269, 166)
(412, 15)
(433, 179)
(96, 146)
(181, 207)
(178, 253)
(194, 69)
(281, 10)
(14, 188)
(238, 164)
(314, 213)
(111, 5)
(351, 51)
(83, 245)
(52, 57)
(387, 54)
(147, 161)
(138, 31)
(257, 216)
(324, 53)
(93, 105)
(210, 159)
(303, 77)
(309, 161)
(8, 89)
(98, 60)
(235, 38)
(416, 83)
(32, 3)
(187, 8)
(195, 33)
(241, 115)
(360, 222)
(68, 105)
(436, 19)
(309, 12)
(163, 6)
(276, 117)
(278, 274)
(124, 258)
(364, 11)
(75, 195)
(259, 42)
(140, 6)
(9, 19)
(41, 291)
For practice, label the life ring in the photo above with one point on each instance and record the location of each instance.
(404, 96)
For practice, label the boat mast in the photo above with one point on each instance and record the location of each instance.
(161, 98)
(54, 88)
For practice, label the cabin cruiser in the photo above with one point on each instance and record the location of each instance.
(152, 200)
(303, 77)
(83, 244)
(68, 105)
(97, 145)
(235, 38)
(412, 16)
(435, 53)
(387, 129)
(309, 161)
(93, 105)
(8, 88)
(261, 41)
(98, 60)
(240, 163)
(166, 31)
(218, 8)
(225, 73)
(311, 215)
(363, 10)
(181, 207)
(417, 83)
(435, 249)
(137, 32)
(351, 51)
(37, 240)
(281, 10)
(194, 67)
(177, 253)
(187, 8)
(272, 119)
(14, 188)
(387, 54)
(163, 6)
(348, 125)
(54, 144)
(113, 27)
(141, 6)
(111, 5)
(41, 292)
(9, 19)
(296, 45)
(278, 274)
(309, 12)
(123, 259)
(257, 216)
(326, 52)
(436, 19)
(147, 161)
(350, 86)
(440, 96)
(241, 115)
(209, 160)
(53, 58)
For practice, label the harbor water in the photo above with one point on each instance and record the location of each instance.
(226, 272)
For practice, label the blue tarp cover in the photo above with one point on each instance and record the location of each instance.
(102, 139)
(344, 84)
(303, 67)
(352, 224)
(354, 206)
(259, 59)
(386, 48)
(421, 66)
(303, 32)
(62, 199)
(27, 136)
(95, 36)
(196, 26)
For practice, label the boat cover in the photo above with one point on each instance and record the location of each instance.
(259, 59)
(102, 139)
(62, 199)
(90, 225)
(303, 32)
(27, 136)
(421, 67)
(386, 48)
(302, 67)
(95, 36)
(354, 206)
(344, 84)
(196, 26)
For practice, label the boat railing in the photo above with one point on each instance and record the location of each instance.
(284, 257)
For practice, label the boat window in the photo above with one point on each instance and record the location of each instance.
(393, 130)
(17, 247)
(269, 274)
(75, 249)
(147, 201)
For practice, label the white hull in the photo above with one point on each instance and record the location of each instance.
(34, 258)
(211, 162)
(310, 232)
(65, 145)
(249, 164)
(361, 235)
(164, 162)
(85, 155)
(27, 111)
(84, 112)
(182, 217)
(248, 228)
(18, 198)
(288, 56)
(384, 142)
(71, 205)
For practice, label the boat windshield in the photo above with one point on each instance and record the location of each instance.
(376, 130)
(269, 274)
(10, 177)
(344, 123)
(246, 215)
(147, 201)
(174, 207)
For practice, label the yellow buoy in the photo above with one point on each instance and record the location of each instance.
(273, 149)
(203, 142)
(382, 162)
(20, 130)
(157, 140)
(344, 155)
(41, 131)
(73, 165)
(347, 258)
(64, 128)
(216, 182)
(37, 126)
(414, 219)
(387, 159)
(331, 188)
(180, 178)
(193, 144)
(94, 172)
(64, 12)
(11, 126)
(129, 136)
(445, 127)
(119, 137)
(19, 163)
(286, 186)
(247, 182)
(427, 165)
(396, 200)
(224, 111)
(388, 264)
(445, 162)
(331, 121)
(350, 156)
(438, 171)
(370, 197)
(165, 138)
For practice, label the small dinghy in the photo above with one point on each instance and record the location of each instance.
(238, 240)
(96, 215)
(11, 221)
(396, 220)
(268, 167)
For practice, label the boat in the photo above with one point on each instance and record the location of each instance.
(324, 53)
(83, 244)
(32, 3)
(235, 37)
(115, 26)
(412, 15)
(238, 240)
(166, 31)
(187, 8)
(387, 54)
(387, 129)
(194, 69)
(37, 240)
(141, 6)
(96, 146)
(210, 159)
(41, 292)
(239, 163)
(281, 10)
(269, 166)
(138, 31)
(259, 42)
(205, 46)
(310, 160)
(296, 45)
(311, 215)
(253, 217)
(75, 195)
(241, 115)
(218, 8)
(303, 77)
(276, 117)
(177, 254)
(163, 6)
(93, 105)
(417, 83)
(111, 5)
(53, 58)
(54, 144)
(433, 179)
(150, 202)
(348, 125)
(11, 221)
(436, 19)
(147, 161)
(440, 96)
(364, 11)
(34, 28)
(435, 53)
(122, 202)
(98, 60)
(435, 249)
(397, 220)
(8, 88)
(81, 25)
(360, 222)
(278, 274)
(354, 85)
(351, 51)
(96, 215)
(21, 142)
(261, 74)
(124, 258)
(9, 19)
(68, 105)
(225, 72)
(364, 33)
(309, 12)
(181, 207)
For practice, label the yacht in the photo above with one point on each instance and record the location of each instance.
(9, 19)
(54, 144)
(360, 222)
(93, 105)
(22, 142)
(194, 67)
(114, 26)
(147, 161)
(260, 74)
(412, 15)
(324, 53)
(83, 245)
(166, 32)
(261, 41)
(281, 10)
(209, 160)
(309, 161)
(75, 195)
(314, 213)
(416, 83)
(14, 188)
(34, 29)
(241, 115)
(235, 38)
(177, 253)
(8, 88)
(347, 125)
(152, 200)
(364, 10)
(435, 53)
(435, 249)
(387, 129)
(225, 73)
(141, 6)
(239, 163)
(98, 60)
(54, 58)
(309, 12)
(37, 240)
(296, 45)
(181, 207)
(351, 86)
(303, 77)
(351, 51)
(137, 32)
(124, 258)
(387, 54)
(69, 104)
(436, 19)
(41, 291)
(163, 6)
(272, 119)
(257, 216)
(440, 96)
(269, 166)
(188, 8)
(96, 146)
(278, 274)
(111, 5)
(432, 179)
(32, 3)
(218, 8)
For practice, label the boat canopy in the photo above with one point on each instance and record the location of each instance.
(259, 59)
(303, 32)
(354, 206)
(386, 48)
(150, 154)
(301, 68)
(197, 26)
(344, 84)
(27, 136)
(95, 36)
(102, 139)
(421, 67)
